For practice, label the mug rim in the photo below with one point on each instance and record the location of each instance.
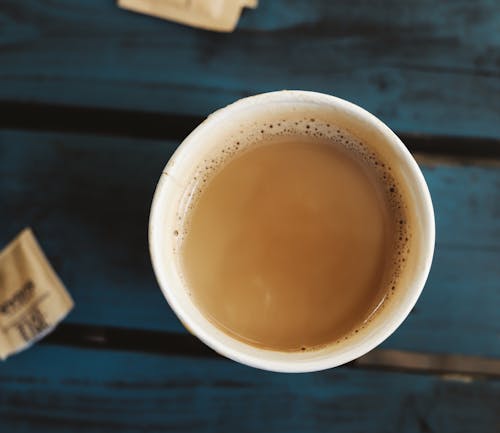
(293, 364)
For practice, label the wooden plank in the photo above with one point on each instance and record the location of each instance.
(88, 197)
(51, 389)
(420, 65)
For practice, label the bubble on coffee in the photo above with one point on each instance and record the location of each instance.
(249, 135)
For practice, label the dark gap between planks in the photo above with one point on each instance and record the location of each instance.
(176, 344)
(128, 123)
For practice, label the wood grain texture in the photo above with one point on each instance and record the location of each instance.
(88, 197)
(52, 390)
(421, 65)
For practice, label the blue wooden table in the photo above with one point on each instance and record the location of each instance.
(94, 100)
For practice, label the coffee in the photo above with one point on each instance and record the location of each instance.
(294, 239)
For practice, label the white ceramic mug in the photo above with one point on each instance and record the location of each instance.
(169, 200)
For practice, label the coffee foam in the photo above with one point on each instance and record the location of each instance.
(255, 133)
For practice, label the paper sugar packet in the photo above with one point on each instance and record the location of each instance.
(217, 15)
(32, 297)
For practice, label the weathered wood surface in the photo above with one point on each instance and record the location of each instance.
(421, 65)
(83, 178)
(88, 197)
(51, 390)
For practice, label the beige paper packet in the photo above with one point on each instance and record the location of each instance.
(32, 297)
(217, 15)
